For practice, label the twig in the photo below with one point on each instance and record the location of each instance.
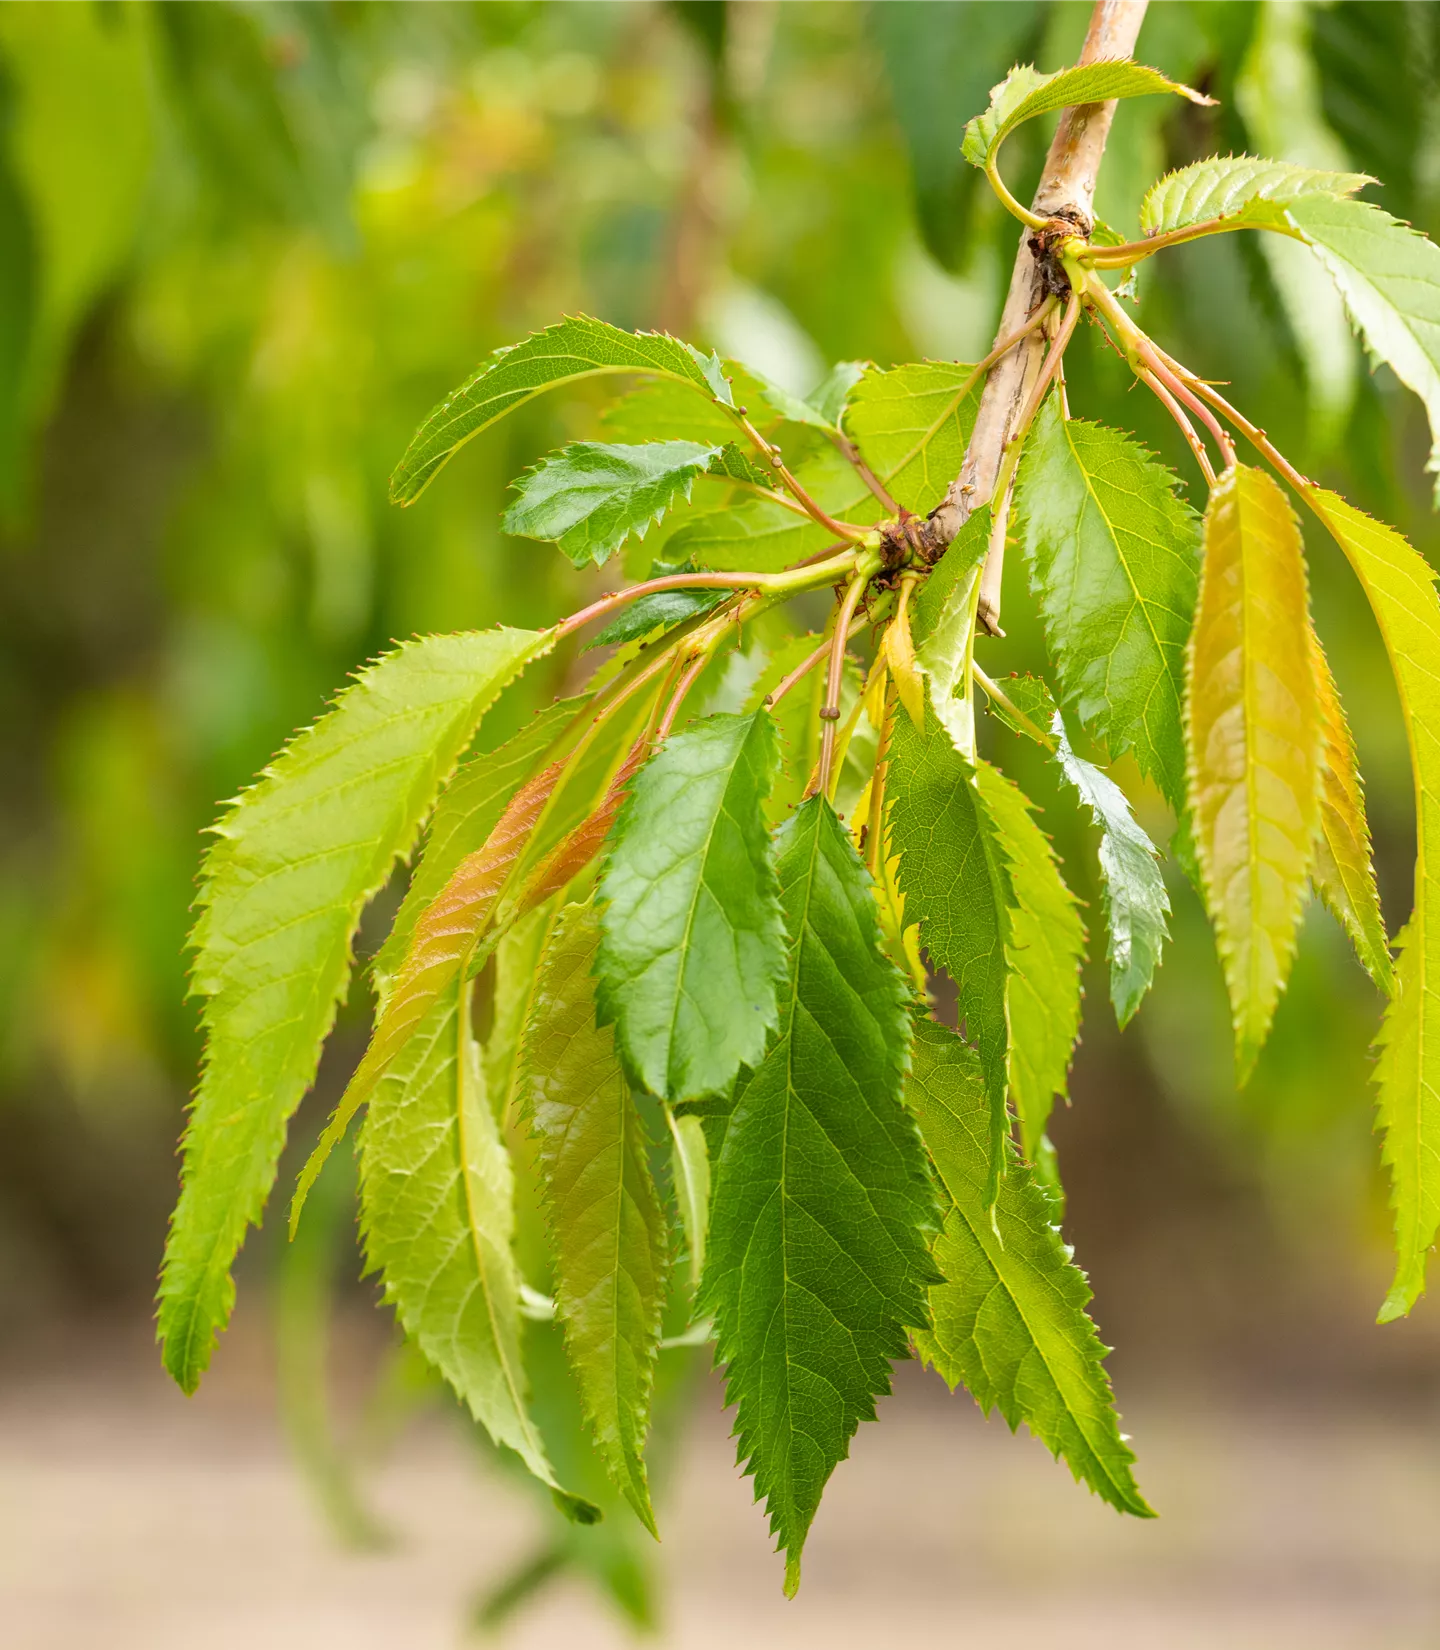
(1153, 382)
(1067, 190)
(830, 710)
(802, 670)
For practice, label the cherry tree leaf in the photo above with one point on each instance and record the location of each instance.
(1253, 739)
(591, 496)
(1344, 873)
(295, 862)
(1238, 189)
(1400, 586)
(692, 951)
(1044, 948)
(1389, 277)
(1009, 1320)
(577, 347)
(1113, 561)
(607, 1229)
(822, 1207)
(437, 1219)
(954, 874)
(1025, 93)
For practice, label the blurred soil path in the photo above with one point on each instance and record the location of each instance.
(131, 1519)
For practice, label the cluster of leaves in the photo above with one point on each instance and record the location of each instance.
(707, 942)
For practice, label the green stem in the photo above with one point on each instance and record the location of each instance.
(998, 696)
(1131, 253)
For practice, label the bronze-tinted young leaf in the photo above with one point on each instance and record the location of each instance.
(1253, 739)
(1344, 874)
(607, 1230)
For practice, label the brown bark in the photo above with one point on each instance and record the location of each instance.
(1067, 190)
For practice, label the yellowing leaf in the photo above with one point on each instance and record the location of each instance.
(1401, 590)
(1252, 735)
(1344, 874)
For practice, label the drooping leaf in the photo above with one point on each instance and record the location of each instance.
(437, 1217)
(955, 879)
(607, 1230)
(591, 496)
(1030, 710)
(1044, 947)
(1344, 873)
(692, 949)
(297, 859)
(1009, 1320)
(822, 1208)
(577, 347)
(1136, 903)
(1401, 589)
(1389, 277)
(1238, 188)
(945, 631)
(1253, 743)
(467, 812)
(666, 409)
(517, 978)
(690, 1168)
(1113, 561)
(1025, 93)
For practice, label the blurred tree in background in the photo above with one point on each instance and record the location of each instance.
(247, 247)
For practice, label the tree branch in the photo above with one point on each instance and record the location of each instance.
(1067, 190)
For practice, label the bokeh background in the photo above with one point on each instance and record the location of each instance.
(243, 249)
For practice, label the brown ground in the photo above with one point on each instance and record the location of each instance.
(133, 1520)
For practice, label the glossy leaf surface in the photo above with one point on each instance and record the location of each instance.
(1237, 188)
(1113, 561)
(822, 1206)
(692, 950)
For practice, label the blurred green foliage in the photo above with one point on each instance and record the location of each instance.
(245, 247)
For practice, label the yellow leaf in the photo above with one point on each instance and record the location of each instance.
(1344, 874)
(1252, 739)
(899, 649)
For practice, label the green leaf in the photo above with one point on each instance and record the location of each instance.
(590, 497)
(437, 1219)
(1136, 903)
(1025, 93)
(1009, 1317)
(1253, 741)
(1344, 873)
(607, 1230)
(945, 630)
(1401, 589)
(577, 347)
(822, 1206)
(955, 878)
(690, 1167)
(913, 423)
(660, 609)
(517, 978)
(692, 949)
(797, 717)
(295, 862)
(1044, 947)
(1035, 704)
(1239, 189)
(732, 463)
(1112, 553)
(664, 409)
(1389, 277)
(822, 408)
